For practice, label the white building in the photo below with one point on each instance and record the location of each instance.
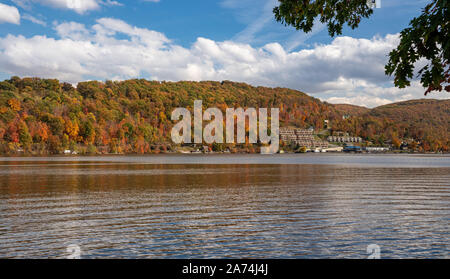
(377, 149)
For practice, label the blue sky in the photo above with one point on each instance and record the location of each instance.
(76, 40)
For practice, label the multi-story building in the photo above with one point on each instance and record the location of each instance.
(302, 137)
(345, 139)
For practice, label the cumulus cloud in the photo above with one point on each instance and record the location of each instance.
(347, 70)
(373, 95)
(9, 14)
(79, 6)
(72, 30)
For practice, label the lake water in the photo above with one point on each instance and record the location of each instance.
(226, 206)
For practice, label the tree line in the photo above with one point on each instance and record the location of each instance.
(46, 116)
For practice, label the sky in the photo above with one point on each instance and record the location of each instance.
(172, 40)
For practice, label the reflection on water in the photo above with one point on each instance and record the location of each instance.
(257, 207)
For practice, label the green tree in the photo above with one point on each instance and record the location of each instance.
(427, 37)
(335, 13)
(24, 135)
(87, 131)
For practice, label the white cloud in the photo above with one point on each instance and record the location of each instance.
(24, 4)
(261, 27)
(72, 30)
(79, 6)
(111, 3)
(372, 95)
(346, 70)
(9, 14)
(34, 19)
(258, 22)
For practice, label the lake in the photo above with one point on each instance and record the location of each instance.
(225, 206)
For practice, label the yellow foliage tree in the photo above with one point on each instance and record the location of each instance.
(72, 129)
(14, 104)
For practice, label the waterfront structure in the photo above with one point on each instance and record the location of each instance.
(352, 149)
(344, 139)
(302, 137)
(334, 149)
(377, 149)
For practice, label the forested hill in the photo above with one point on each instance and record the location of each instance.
(352, 110)
(428, 111)
(425, 120)
(45, 116)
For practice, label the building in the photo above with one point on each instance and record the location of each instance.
(349, 148)
(334, 149)
(377, 149)
(340, 133)
(344, 139)
(302, 137)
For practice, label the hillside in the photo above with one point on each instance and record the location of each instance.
(44, 116)
(425, 120)
(416, 112)
(351, 110)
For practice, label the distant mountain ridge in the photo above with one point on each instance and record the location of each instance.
(353, 110)
(434, 112)
(426, 120)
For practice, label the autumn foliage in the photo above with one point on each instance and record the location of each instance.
(45, 116)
